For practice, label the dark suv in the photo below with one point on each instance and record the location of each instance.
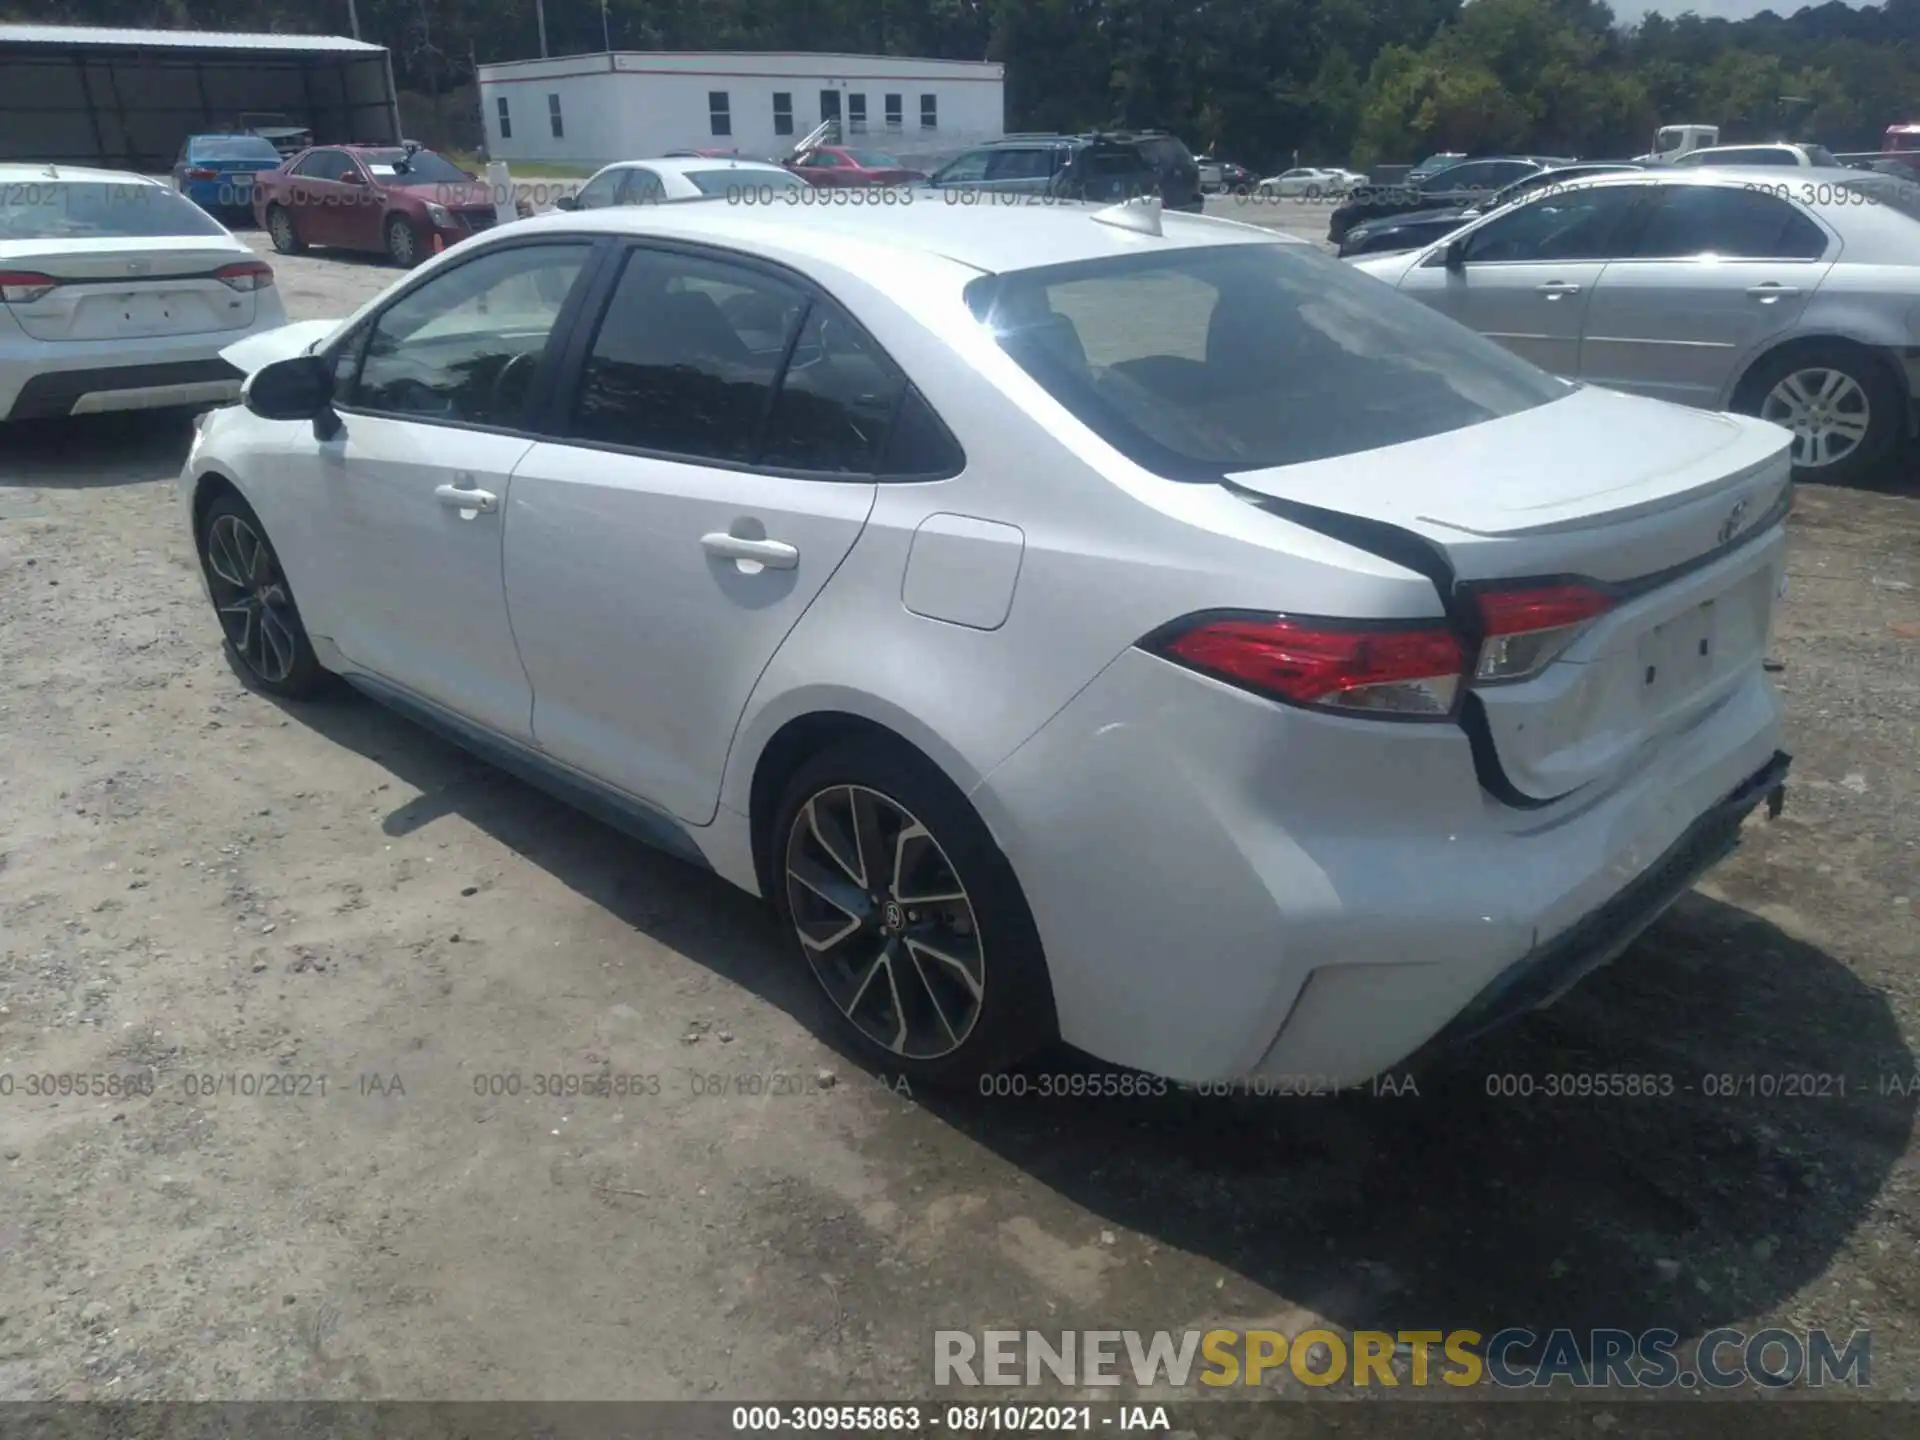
(1097, 167)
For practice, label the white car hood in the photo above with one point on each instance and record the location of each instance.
(258, 351)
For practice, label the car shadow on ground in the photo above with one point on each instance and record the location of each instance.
(90, 452)
(1460, 1194)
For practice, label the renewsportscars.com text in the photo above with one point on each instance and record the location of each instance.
(1512, 1358)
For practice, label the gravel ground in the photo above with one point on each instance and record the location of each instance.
(199, 886)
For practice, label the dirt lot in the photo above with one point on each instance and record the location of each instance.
(198, 887)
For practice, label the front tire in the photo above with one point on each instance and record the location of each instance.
(908, 916)
(1841, 402)
(403, 243)
(266, 641)
(283, 232)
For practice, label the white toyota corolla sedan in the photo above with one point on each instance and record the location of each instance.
(1138, 630)
(118, 293)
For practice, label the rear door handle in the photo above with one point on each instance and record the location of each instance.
(485, 502)
(1554, 289)
(774, 554)
(1767, 293)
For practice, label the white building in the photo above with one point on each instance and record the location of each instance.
(592, 109)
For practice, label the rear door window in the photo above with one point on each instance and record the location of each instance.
(1733, 223)
(835, 402)
(1205, 361)
(1020, 162)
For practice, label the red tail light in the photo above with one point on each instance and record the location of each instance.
(1527, 628)
(1408, 670)
(246, 275)
(23, 287)
(201, 172)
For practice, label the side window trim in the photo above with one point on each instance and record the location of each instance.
(595, 292)
(539, 398)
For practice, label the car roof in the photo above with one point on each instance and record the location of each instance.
(1747, 174)
(989, 239)
(1757, 145)
(682, 164)
(22, 173)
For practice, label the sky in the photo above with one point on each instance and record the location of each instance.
(1630, 10)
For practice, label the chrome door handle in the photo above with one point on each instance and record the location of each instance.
(485, 502)
(1554, 289)
(774, 554)
(1768, 293)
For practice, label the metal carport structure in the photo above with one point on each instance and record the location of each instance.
(126, 99)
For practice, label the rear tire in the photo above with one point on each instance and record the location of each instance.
(926, 953)
(1841, 401)
(265, 639)
(403, 243)
(283, 232)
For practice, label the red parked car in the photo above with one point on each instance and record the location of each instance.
(402, 201)
(851, 165)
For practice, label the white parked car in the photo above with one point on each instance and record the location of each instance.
(1793, 157)
(650, 182)
(1143, 630)
(1303, 182)
(117, 293)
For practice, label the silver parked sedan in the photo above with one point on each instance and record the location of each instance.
(1795, 297)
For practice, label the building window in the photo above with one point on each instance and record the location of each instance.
(893, 112)
(553, 117)
(719, 113)
(857, 114)
(929, 112)
(506, 120)
(782, 112)
(829, 104)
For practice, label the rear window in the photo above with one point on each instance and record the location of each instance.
(234, 147)
(1201, 362)
(874, 160)
(733, 180)
(89, 209)
(1165, 152)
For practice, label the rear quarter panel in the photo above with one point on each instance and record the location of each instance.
(1110, 553)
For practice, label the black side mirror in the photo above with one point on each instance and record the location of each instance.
(300, 388)
(566, 202)
(1457, 255)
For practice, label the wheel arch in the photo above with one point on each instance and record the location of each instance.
(208, 486)
(1878, 351)
(759, 783)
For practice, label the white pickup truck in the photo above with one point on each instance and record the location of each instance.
(1670, 142)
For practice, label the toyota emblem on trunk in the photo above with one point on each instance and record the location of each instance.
(1730, 527)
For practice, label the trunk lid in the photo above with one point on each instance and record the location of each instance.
(1677, 512)
(113, 288)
